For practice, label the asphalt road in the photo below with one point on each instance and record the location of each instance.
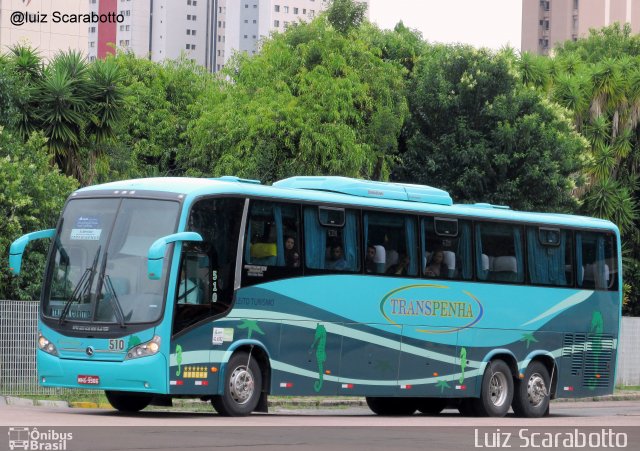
(328, 429)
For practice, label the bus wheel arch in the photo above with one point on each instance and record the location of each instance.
(245, 382)
(497, 386)
(534, 391)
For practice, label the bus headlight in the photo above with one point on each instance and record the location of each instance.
(144, 349)
(45, 345)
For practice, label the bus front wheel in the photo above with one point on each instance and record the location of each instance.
(392, 406)
(497, 390)
(531, 398)
(128, 401)
(242, 387)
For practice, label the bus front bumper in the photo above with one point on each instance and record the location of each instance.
(145, 374)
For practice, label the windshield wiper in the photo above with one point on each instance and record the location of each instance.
(85, 282)
(117, 307)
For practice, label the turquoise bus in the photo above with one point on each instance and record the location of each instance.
(229, 291)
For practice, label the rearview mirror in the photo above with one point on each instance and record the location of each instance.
(17, 248)
(158, 249)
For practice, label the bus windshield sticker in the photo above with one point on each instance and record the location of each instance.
(255, 270)
(87, 228)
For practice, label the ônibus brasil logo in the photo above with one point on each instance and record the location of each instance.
(30, 438)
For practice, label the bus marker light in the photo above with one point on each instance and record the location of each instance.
(597, 376)
(570, 388)
(44, 379)
(327, 372)
(435, 374)
(203, 383)
(146, 385)
(214, 369)
(406, 387)
(461, 387)
(347, 385)
(180, 382)
(173, 382)
(521, 376)
(286, 384)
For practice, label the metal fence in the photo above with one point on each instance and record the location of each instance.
(19, 332)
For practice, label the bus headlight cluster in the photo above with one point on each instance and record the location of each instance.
(45, 345)
(144, 349)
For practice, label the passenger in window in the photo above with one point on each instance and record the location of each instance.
(401, 268)
(291, 255)
(436, 266)
(370, 264)
(336, 258)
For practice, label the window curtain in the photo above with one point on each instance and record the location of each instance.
(482, 273)
(350, 238)
(464, 249)
(277, 213)
(579, 262)
(315, 239)
(423, 233)
(517, 246)
(600, 273)
(410, 232)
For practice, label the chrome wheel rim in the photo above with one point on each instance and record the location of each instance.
(536, 390)
(241, 385)
(498, 389)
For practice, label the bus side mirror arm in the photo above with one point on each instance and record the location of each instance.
(158, 248)
(17, 248)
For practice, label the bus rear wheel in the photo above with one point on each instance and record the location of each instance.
(128, 401)
(242, 387)
(392, 406)
(532, 393)
(497, 390)
(431, 406)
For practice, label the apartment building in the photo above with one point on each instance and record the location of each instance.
(548, 22)
(39, 30)
(156, 29)
(207, 31)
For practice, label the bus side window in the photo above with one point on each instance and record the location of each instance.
(549, 256)
(446, 248)
(272, 235)
(331, 246)
(392, 247)
(596, 261)
(499, 252)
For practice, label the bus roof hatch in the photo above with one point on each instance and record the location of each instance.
(366, 188)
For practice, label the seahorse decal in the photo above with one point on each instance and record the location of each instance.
(179, 359)
(320, 343)
(463, 363)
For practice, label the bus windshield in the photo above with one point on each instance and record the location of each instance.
(97, 272)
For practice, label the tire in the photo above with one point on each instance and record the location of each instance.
(128, 401)
(392, 406)
(242, 387)
(431, 406)
(532, 394)
(497, 390)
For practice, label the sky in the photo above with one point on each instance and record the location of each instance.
(490, 23)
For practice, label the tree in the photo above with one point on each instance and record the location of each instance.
(31, 199)
(477, 132)
(312, 102)
(346, 15)
(74, 103)
(158, 105)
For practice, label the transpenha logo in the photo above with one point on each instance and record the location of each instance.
(432, 308)
(33, 439)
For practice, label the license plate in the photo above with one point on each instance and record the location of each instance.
(88, 380)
